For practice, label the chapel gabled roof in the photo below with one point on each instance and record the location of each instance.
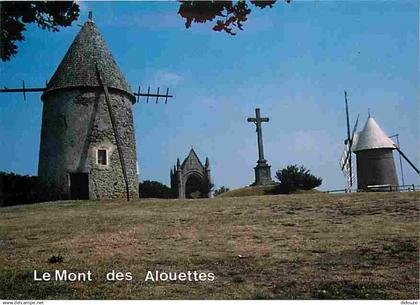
(78, 67)
(192, 156)
(372, 137)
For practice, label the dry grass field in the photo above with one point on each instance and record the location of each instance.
(305, 246)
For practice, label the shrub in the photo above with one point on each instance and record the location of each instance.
(205, 188)
(221, 190)
(293, 178)
(154, 189)
(55, 259)
(18, 189)
(238, 279)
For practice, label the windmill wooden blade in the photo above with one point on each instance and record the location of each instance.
(349, 145)
(401, 165)
(406, 159)
(138, 94)
(23, 90)
(345, 158)
(166, 98)
(115, 129)
(348, 137)
(156, 95)
(354, 131)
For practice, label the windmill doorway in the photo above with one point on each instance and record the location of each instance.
(79, 186)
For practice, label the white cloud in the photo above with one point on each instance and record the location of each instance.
(168, 79)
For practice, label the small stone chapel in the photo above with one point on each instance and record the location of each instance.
(190, 177)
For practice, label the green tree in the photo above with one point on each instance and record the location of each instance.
(227, 14)
(294, 177)
(154, 189)
(205, 188)
(18, 189)
(15, 15)
(221, 190)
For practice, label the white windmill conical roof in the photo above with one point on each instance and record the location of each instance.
(372, 137)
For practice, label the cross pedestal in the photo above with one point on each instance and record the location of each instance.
(262, 173)
(262, 170)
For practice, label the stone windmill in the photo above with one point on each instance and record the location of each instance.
(374, 157)
(88, 146)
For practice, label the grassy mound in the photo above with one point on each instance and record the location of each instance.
(259, 191)
(306, 246)
(250, 191)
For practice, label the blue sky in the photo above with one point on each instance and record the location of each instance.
(292, 61)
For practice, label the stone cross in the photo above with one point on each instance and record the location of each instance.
(262, 170)
(257, 121)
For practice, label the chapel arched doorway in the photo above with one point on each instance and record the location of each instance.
(193, 187)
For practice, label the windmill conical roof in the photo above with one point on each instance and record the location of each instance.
(372, 137)
(78, 67)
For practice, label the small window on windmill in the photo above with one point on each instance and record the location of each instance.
(102, 156)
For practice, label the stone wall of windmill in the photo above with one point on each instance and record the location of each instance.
(78, 152)
(374, 157)
(75, 125)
